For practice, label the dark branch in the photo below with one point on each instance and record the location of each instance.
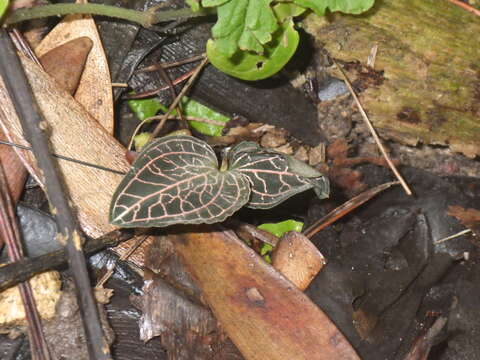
(12, 274)
(32, 124)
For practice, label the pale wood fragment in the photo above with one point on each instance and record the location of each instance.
(297, 259)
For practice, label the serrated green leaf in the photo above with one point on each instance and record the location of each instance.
(280, 228)
(244, 24)
(249, 66)
(271, 177)
(3, 7)
(345, 6)
(287, 10)
(175, 179)
(194, 4)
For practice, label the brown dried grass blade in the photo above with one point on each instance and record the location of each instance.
(345, 208)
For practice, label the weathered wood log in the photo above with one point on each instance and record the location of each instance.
(424, 88)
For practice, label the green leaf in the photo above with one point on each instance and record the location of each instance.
(212, 3)
(175, 179)
(345, 6)
(250, 66)
(280, 228)
(3, 7)
(272, 178)
(141, 140)
(194, 4)
(195, 109)
(244, 24)
(287, 10)
(145, 108)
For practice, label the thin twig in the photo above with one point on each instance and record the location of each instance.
(174, 104)
(163, 118)
(12, 274)
(153, 92)
(189, 118)
(124, 257)
(345, 208)
(373, 131)
(10, 233)
(463, 232)
(66, 158)
(466, 6)
(171, 87)
(171, 64)
(22, 45)
(33, 127)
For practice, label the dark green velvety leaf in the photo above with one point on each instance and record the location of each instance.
(271, 175)
(175, 179)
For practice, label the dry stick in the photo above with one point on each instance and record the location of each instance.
(171, 87)
(466, 7)
(463, 232)
(12, 274)
(345, 208)
(178, 98)
(163, 118)
(168, 65)
(190, 118)
(373, 131)
(33, 126)
(11, 234)
(153, 92)
(124, 257)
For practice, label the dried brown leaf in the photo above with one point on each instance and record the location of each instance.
(94, 91)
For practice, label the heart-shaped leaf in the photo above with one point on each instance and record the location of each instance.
(176, 179)
(274, 177)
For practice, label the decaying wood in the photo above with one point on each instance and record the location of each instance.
(297, 259)
(94, 90)
(424, 88)
(261, 311)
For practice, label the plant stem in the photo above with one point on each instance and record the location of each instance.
(144, 18)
